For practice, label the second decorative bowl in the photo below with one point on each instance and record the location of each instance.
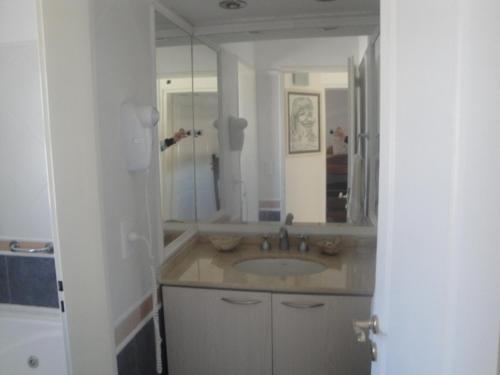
(225, 242)
(330, 247)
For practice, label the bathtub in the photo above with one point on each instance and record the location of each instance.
(31, 342)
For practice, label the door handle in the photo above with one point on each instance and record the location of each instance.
(303, 305)
(235, 301)
(361, 327)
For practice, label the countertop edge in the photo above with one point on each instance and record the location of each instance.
(332, 292)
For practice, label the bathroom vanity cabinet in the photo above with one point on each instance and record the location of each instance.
(214, 332)
(313, 334)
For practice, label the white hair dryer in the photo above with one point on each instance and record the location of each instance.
(137, 123)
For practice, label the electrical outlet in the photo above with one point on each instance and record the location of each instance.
(125, 229)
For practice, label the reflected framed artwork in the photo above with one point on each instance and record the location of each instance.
(303, 122)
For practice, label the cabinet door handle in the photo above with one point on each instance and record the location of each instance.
(236, 301)
(303, 305)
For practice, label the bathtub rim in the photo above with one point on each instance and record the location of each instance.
(10, 311)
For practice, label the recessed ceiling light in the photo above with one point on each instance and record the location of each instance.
(232, 4)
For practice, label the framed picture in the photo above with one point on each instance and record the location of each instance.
(303, 122)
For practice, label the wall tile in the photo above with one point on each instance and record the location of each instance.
(127, 360)
(32, 281)
(146, 353)
(163, 342)
(4, 282)
(24, 196)
(269, 215)
(138, 357)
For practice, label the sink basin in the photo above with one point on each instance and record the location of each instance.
(279, 267)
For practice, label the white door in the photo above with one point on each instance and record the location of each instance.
(437, 284)
(181, 188)
(206, 111)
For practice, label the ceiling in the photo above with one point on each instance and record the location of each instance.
(208, 12)
(271, 19)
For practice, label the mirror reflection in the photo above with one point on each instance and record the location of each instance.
(254, 130)
(188, 104)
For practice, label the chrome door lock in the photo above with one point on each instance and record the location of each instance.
(373, 351)
(361, 327)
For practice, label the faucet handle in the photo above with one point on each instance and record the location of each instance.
(303, 246)
(265, 245)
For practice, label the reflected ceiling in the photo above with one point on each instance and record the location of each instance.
(208, 12)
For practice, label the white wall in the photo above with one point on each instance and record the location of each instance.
(321, 53)
(124, 64)
(204, 59)
(230, 178)
(250, 154)
(24, 196)
(173, 60)
(269, 117)
(305, 174)
(270, 59)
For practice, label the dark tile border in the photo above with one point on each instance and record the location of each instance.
(4, 281)
(138, 357)
(28, 281)
(269, 215)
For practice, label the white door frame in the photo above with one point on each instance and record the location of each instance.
(74, 183)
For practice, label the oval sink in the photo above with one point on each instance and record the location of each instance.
(279, 267)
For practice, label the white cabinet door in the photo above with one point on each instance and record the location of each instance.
(313, 335)
(217, 332)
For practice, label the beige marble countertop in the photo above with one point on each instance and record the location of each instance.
(199, 264)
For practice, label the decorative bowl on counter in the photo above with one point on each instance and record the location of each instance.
(223, 242)
(330, 247)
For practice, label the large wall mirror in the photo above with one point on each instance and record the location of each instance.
(266, 126)
(188, 102)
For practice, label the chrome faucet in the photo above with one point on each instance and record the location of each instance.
(284, 243)
(265, 245)
(303, 246)
(283, 237)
